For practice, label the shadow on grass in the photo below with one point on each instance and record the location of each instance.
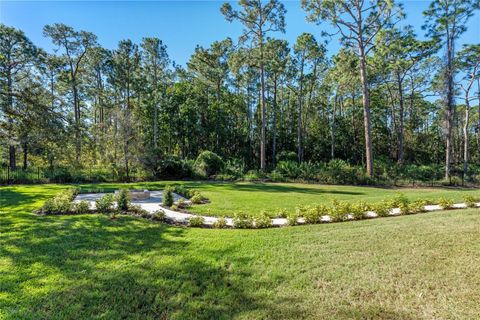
(84, 267)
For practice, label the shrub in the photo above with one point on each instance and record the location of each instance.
(445, 203)
(313, 214)
(123, 200)
(105, 203)
(292, 219)
(358, 210)
(168, 196)
(81, 207)
(159, 215)
(182, 204)
(196, 221)
(242, 221)
(61, 203)
(209, 163)
(382, 209)
(220, 223)
(197, 198)
(262, 221)
(138, 211)
(339, 211)
(470, 201)
(281, 213)
(417, 206)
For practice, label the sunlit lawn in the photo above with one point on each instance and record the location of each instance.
(424, 266)
(252, 198)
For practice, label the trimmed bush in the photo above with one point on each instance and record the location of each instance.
(445, 203)
(197, 198)
(105, 204)
(196, 221)
(339, 211)
(220, 223)
(470, 201)
(382, 209)
(262, 221)
(281, 213)
(292, 219)
(137, 210)
(82, 207)
(417, 206)
(61, 203)
(159, 215)
(168, 196)
(242, 221)
(123, 200)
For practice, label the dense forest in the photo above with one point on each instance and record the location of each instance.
(389, 102)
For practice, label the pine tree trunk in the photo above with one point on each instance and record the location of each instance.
(366, 113)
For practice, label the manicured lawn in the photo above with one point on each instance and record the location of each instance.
(252, 198)
(424, 266)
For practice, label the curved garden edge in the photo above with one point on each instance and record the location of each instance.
(185, 218)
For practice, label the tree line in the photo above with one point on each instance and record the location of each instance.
(385, 96)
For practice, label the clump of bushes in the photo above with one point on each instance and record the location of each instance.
(242, 220)
(359, 210)
(313, 214)
(168, 196)
(196, 221)
(417, 206)
(105, 204)
(197, 198)
(123, 200)
(292, 218)
(220, 223)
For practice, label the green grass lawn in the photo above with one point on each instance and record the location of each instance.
(424, 266)
(252, 198)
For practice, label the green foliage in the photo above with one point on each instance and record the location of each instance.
(262, 221)
(339, 211)
(470, 201)
(445, 203)
(281, 213)
(61, 203)
(197, 198)
(106, 203)
(123, 200)
(209, 163)
(220, 223)
(242, 220)
(196, 221)
(292, 219)
(81, 207)
(159, 215)
(137, 210)
(382, 209)
(313, 214)
(417, 206)
(182, 204)
(358, 210)
(168, 196)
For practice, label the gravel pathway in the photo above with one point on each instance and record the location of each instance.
(153, 204)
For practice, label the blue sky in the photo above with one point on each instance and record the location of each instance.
(181, 25)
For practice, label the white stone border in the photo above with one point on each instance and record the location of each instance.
(154, 203)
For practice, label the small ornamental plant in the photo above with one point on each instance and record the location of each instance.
(159, 215)
(105, 204)
(242, 221)
(196, 221)
(445, 203)
(168, 196)
(123, 200)
(220, 223)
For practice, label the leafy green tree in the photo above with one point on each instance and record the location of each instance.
(358, 22)
(75, 45)
(17, 56)
(258, 19)
(445, 22)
